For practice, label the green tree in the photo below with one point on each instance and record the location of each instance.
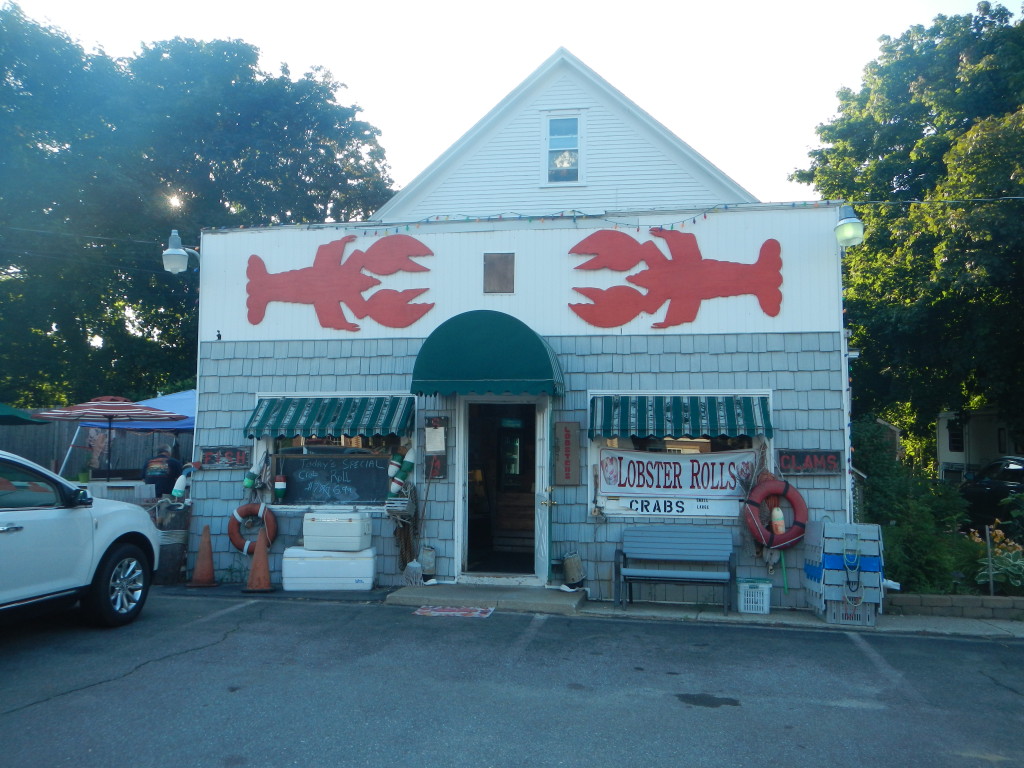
(930, 152)
(919, 519)
(103, 157)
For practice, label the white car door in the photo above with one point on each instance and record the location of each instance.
(45, 547)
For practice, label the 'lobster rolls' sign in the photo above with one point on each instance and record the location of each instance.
(638, 474)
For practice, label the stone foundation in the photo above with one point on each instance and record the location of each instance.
(963, 606)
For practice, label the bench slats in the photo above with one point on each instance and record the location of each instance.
(657, 574)
(675, 544)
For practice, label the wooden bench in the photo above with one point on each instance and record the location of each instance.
(695, 545)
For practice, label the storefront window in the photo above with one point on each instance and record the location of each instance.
(676, 455)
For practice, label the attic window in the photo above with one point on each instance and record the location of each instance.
(563, 149)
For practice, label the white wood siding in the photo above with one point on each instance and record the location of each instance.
(629, 162)
(545, 275)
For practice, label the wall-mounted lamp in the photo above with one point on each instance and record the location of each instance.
(849, 229)
(176, 257)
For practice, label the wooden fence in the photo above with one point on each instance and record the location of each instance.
(48, 444)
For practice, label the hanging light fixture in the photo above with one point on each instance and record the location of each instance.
(849, 229)
(176, 257)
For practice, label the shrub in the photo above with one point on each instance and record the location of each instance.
(1007, 568)
(919, 517)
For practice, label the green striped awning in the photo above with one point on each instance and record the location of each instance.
(679, 416)
(331, 416)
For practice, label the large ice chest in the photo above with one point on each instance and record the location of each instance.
(337, 531)
(305, 569)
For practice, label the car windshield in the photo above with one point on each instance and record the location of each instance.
(1011, 472)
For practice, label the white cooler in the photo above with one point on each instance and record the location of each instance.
(336, 531)
(305, 569)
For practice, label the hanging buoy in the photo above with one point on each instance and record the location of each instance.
(179, 487)
(264, 513)
(778, 521)
(768, 537)
(280, 487)
(408, 462)
(394, 464)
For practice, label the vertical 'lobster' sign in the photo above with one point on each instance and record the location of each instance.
(334, 282)
(683, 280)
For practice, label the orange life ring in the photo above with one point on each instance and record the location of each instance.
(764, 535)
(261, 511)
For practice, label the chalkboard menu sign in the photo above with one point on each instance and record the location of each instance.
(337, 479)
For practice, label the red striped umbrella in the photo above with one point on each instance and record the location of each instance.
(110, 408)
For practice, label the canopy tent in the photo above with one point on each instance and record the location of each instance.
(112, 408)
(182, 403)
(14, 417)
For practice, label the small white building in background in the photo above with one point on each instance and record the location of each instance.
(967, 441)
(568, 286)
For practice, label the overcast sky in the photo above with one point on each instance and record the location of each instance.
(744, 82)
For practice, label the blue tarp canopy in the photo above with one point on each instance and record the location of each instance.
(178, 402)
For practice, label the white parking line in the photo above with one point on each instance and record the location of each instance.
(519, 646)
(887, 671)
(218, 614)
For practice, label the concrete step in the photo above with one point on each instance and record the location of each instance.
(520, 599)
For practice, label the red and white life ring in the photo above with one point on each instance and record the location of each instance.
(261, 511)
(763, 534)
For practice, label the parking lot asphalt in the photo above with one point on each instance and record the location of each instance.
(556, 601)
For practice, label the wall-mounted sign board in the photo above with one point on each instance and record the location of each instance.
(225, 457)
(338, 479)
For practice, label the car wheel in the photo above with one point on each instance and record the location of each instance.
(120, 586)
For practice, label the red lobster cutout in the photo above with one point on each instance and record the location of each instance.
(334, 281)
(684, 280)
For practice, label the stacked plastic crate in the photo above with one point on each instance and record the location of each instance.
(843, 569)
(335, 553)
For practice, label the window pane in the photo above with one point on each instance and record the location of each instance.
(20, 488)
(564, 159)
(563, 166)
(563, 126)
(563, 149)
(499, 272)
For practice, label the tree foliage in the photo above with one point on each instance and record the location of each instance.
(919, 518)
(930, 150)
(103, 157)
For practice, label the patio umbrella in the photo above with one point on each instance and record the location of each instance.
(110, 409)
(12, 417)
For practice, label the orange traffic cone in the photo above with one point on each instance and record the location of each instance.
(202, 573)
(259, 571)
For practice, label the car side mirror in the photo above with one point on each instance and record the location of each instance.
(81, 498)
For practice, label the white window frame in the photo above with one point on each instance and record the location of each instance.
(578, 115)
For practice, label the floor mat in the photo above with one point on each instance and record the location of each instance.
(441, 610)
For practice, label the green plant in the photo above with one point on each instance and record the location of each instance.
(919, 518)
(1007, 565)
(1014, 508)
(1007, 571)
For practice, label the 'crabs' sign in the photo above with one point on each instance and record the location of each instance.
(683, 280)
(334, 282)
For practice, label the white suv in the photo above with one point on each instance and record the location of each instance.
(56, 541)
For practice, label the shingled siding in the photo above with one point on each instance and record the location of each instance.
(804, 372)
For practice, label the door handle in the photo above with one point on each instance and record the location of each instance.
(10, 528)
(549, 503)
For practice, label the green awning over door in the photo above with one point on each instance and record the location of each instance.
(331, 416)
(483, 352)
(679, 416)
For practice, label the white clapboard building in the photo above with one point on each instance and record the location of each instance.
(574, 322)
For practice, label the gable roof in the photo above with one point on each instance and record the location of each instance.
(495, 168)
